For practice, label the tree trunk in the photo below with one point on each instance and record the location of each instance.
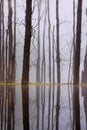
(9, 64)
(0, 70)
(58, 65)
(0, 60)
(49, 42)
(44, 70)
(76, 106)
(53, 92)
(6, 90)
(26, 61)
(73, 44)
(38, 67)
(2, 63)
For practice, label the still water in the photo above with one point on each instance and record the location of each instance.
(65, 111)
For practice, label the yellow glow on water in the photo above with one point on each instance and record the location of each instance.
(40, 84)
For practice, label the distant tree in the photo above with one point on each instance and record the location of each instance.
(14, 68)
(6, 88)
(0, 38)
(10, 46)
(58, 65)
(38, 66)
(2, 59)
(26, 62)
(44, 68)
(76, 106)
(0, 69)
(73, 44)
(73, 26)
(53, 92)
(49, 43)
(14, 36)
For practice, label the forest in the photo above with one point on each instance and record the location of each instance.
(43, 65)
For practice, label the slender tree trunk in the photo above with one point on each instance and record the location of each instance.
(69, 86)
(49, 42)
(53, 82)
(73, 26)
(3, 42)
(0, 39)
(44, 70)
(0, 60)
(76, 106)
(14, 69)
(38, 68)
(73, 45)
(2, 57)
(6, 90)
(1, 88)
(58, 65)
(14, 29)
(9, 63)
(26, 61)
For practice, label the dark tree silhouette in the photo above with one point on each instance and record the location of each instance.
(58, 65)
(10, 45)
(26, 61)
(76, 106)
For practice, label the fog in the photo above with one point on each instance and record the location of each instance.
(66, 41)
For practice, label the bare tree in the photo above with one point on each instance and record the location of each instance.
(26, 61)
(73, 42)
(6, 89)
(14, 36)
(0, 58)
(58, 65)
(2, 62)
(76, 106)
(10, 62)
(1, 105)
(38, 67)
(44, 69)
(0, 39)
(14, 69)
(49, 42)
(53, 92)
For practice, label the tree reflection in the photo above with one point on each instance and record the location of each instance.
(84, 88)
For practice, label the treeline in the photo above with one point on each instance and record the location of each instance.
(8, 65)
